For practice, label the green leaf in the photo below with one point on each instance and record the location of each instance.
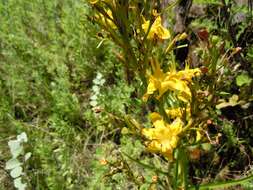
(219, 185)
(16, 172)
(144, 186)
(95, 89)
(223, 93)
(14, 144)
(96, 81)
(22, 137)
(18, 184)
(99, 76)
(15, 148)
(243, 79)
(233, 100)
(102, 82)
(28, 155)
(206, 146)
(145, 165)
(100, 43)
(12, 163)
(93, 103)
(94, 97)
(223, 105)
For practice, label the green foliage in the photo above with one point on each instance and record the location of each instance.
(230, 133)
(48, 58)
(123, 171)
(243, 79)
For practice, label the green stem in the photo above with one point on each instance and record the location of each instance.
(181, 170)
(162, 110)
(176, 173)
(222, 184)
(184, 169)
(145, 165)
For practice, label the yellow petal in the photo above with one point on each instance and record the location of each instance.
(178, 112)
(155, 116)
(163, 137)
(198, 136)
(162, 33)
(156, 29)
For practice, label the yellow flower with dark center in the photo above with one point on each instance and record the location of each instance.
(163, 137)
(156, 30)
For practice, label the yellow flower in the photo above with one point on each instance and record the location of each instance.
(154, 116)
(188, 74)
(178, 112)
(156, 30)
(163, 137)
(173, 81)
(155, 80)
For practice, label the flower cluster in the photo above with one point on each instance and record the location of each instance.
(163, 137)
(171, 81)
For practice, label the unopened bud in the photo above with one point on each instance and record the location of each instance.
(154, 178)
(209, 122)
(103, 162)
(195, 154)
(203, 34)
(182, 36)
(236, 50)
(204, 69)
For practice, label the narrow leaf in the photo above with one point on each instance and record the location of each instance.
(145, 165)
(222, 184)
